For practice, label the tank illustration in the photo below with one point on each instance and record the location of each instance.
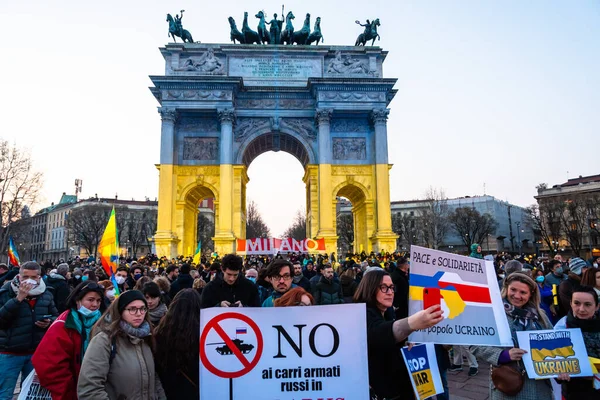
(225, 350)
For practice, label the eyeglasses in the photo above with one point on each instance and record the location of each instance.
(387, 289)
(135, 310)
(285, 277)
(301, 304)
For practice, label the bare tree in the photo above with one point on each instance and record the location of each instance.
(205, 233)
(406, 227)
(471, 226)
(19, 187)
(546, 223)
(345, 233)
(573, 220)
(434, 218)
(138, 228)
(298, 228)
(86, 226)
(255, 226)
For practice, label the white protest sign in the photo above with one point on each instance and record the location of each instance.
(284, 353)
(422, 364)
(550, 353)
(468, 292)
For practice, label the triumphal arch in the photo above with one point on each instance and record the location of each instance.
(223, 105)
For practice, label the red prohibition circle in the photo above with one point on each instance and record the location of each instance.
(248, 365)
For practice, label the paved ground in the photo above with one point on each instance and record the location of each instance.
(463, 387)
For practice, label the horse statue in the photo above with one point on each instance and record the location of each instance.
(301, 36)
(316, 35)
(235, 33)
(250, 36)
(175, 29)
(263, 33)
(288, 32)
(369, 33)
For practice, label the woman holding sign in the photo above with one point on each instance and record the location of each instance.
(583, 315)
(521, 298)
(388, 376)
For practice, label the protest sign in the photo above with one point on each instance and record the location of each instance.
(422, 364)
(468, 292)
(284, 353)
(550, 353)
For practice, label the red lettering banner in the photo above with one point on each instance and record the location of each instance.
(273, 246)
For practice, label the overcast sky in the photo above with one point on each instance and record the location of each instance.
(505, 93)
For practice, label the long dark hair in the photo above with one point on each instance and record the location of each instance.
(177, 338)
(368, 287)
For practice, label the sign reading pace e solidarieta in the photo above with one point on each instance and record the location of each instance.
(468, 292)
(275, 67)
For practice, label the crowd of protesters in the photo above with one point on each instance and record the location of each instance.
(88, 339)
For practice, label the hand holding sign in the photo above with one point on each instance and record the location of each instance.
(426, 318)
(516, 354)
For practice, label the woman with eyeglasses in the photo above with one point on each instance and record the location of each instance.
(388, 377)
(119, 362)
(57, 360)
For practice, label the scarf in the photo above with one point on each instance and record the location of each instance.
(140, 332)
(84, 326)
(524, 319)
(590, 329)
(297, 278)
(157, 313)
(36, 291)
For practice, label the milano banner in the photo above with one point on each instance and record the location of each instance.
(259, 246)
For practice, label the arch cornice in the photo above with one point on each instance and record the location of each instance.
(312, 159)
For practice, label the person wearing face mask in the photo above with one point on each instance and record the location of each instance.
(76, 277)
(121, 278)
(58, 358)
(546, 296)
(26, 311)
(583, 315)
(556, 275)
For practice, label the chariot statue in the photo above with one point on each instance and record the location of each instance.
(176, 28)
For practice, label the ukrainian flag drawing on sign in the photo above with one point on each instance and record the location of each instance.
(560, 347)
(421, 362)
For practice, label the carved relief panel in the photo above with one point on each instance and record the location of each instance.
(201, 149)
(349, 149)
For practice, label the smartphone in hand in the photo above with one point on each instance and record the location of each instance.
(431, 297)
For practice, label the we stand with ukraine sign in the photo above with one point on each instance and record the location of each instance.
(467, 290)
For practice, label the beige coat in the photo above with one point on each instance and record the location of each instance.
(130, 376)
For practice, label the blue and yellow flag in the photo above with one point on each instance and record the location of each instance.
(109, 249)
(198, 253)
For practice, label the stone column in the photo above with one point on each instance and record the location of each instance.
(326, 214)
(166, 239)
(383, 238)
(167, 135)
(224, 238)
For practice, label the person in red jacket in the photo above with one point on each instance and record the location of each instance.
(57, 360)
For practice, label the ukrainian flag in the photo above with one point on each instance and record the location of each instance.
(552, 348)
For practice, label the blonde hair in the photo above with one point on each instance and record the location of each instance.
(534, 298)
(199, 283)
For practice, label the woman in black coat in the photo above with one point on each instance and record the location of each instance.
(388, 377)
(176, 337)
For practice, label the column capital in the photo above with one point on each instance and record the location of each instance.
(380, 115)
(226, 115)
(323, 115)
(168, 114)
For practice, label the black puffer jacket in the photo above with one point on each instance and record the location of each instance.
(328, 292)
(18, 332)
(218, 290)
(60, 289)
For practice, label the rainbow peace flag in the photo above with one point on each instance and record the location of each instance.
(13, 256)
(108, 248)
